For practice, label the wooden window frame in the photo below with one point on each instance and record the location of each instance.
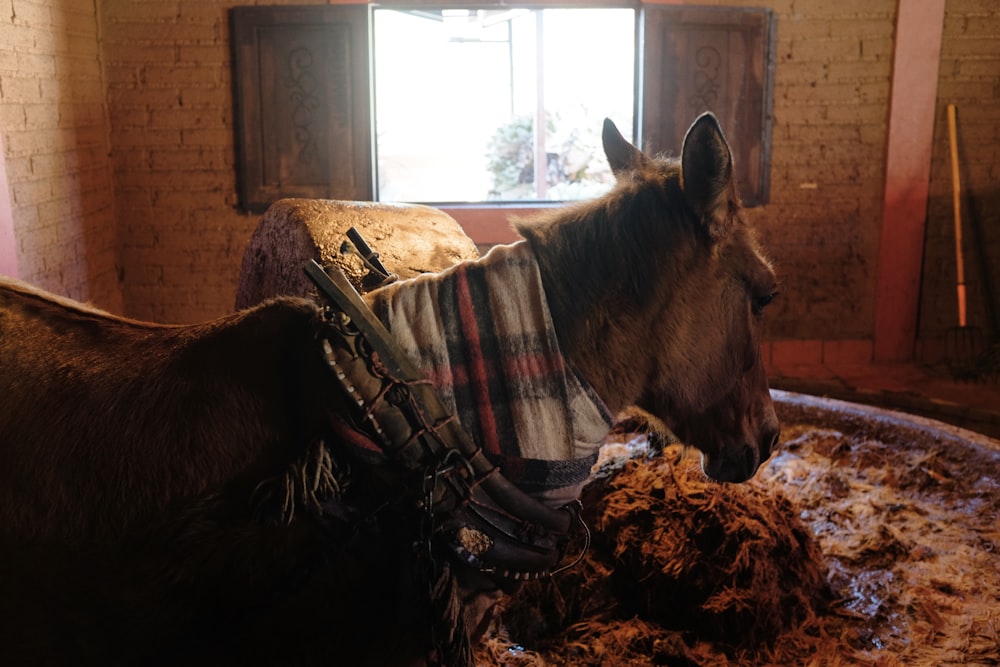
(668, 98)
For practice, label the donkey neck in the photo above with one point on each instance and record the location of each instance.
(482, 333)
(603, 326)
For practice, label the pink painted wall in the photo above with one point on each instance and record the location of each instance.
(8, 247)
(919, 26)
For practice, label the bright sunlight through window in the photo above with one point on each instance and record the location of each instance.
(460, 95)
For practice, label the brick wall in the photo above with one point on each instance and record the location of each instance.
(832, 84)
(169, 91)
(54, 124)
(180, 242)
(970, 79)
(183, 240)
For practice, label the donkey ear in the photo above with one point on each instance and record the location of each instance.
(622, 156)
(707, 173)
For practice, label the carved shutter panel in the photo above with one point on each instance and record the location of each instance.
(714, 59)
(302, 105)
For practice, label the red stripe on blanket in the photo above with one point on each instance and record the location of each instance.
(447, 377)
(478, 378)
(533, 366)
(526, 368)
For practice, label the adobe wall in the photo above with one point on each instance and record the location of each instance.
(170, 96)
(169, 91)
(181, 240)
(832, 85)
(54, 124)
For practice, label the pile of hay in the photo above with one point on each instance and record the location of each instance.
(862, 542)
(675, 559)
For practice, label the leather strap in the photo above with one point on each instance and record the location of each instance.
(475, 512)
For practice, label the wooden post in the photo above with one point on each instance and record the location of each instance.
(8, 244)
(912, 102)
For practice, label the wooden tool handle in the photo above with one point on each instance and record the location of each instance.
(956, 190)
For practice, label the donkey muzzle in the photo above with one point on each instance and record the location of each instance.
(738, 464)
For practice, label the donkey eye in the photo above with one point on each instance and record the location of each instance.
(762, 302)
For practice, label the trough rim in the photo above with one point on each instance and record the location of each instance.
(891, 425)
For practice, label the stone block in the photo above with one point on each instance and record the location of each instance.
(410, 239)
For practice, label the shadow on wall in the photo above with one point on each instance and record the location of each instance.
(87, 187)
(939, 310)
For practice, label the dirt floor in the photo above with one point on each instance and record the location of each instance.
(857, 544)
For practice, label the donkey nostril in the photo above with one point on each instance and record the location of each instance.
(751, 457)
(768, 443)
(774, 442)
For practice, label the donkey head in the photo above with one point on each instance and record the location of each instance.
(658, 291)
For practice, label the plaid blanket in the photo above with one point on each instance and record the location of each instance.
(483, 334)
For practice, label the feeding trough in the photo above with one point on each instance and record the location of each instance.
(871, 538)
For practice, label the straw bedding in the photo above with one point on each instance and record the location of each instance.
(845, 549)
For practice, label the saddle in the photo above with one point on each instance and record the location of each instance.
(470, 510)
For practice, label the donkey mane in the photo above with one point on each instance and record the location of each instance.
(592, 246)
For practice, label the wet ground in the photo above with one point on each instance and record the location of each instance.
(870, 539)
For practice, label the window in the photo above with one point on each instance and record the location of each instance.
(460, 94)
(428, 105)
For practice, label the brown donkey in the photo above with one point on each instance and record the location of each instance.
(657, 292)
(185, 494)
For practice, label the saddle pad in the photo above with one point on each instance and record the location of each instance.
(482, 333)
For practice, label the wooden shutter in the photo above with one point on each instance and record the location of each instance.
(301, 88)
(716, 59)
